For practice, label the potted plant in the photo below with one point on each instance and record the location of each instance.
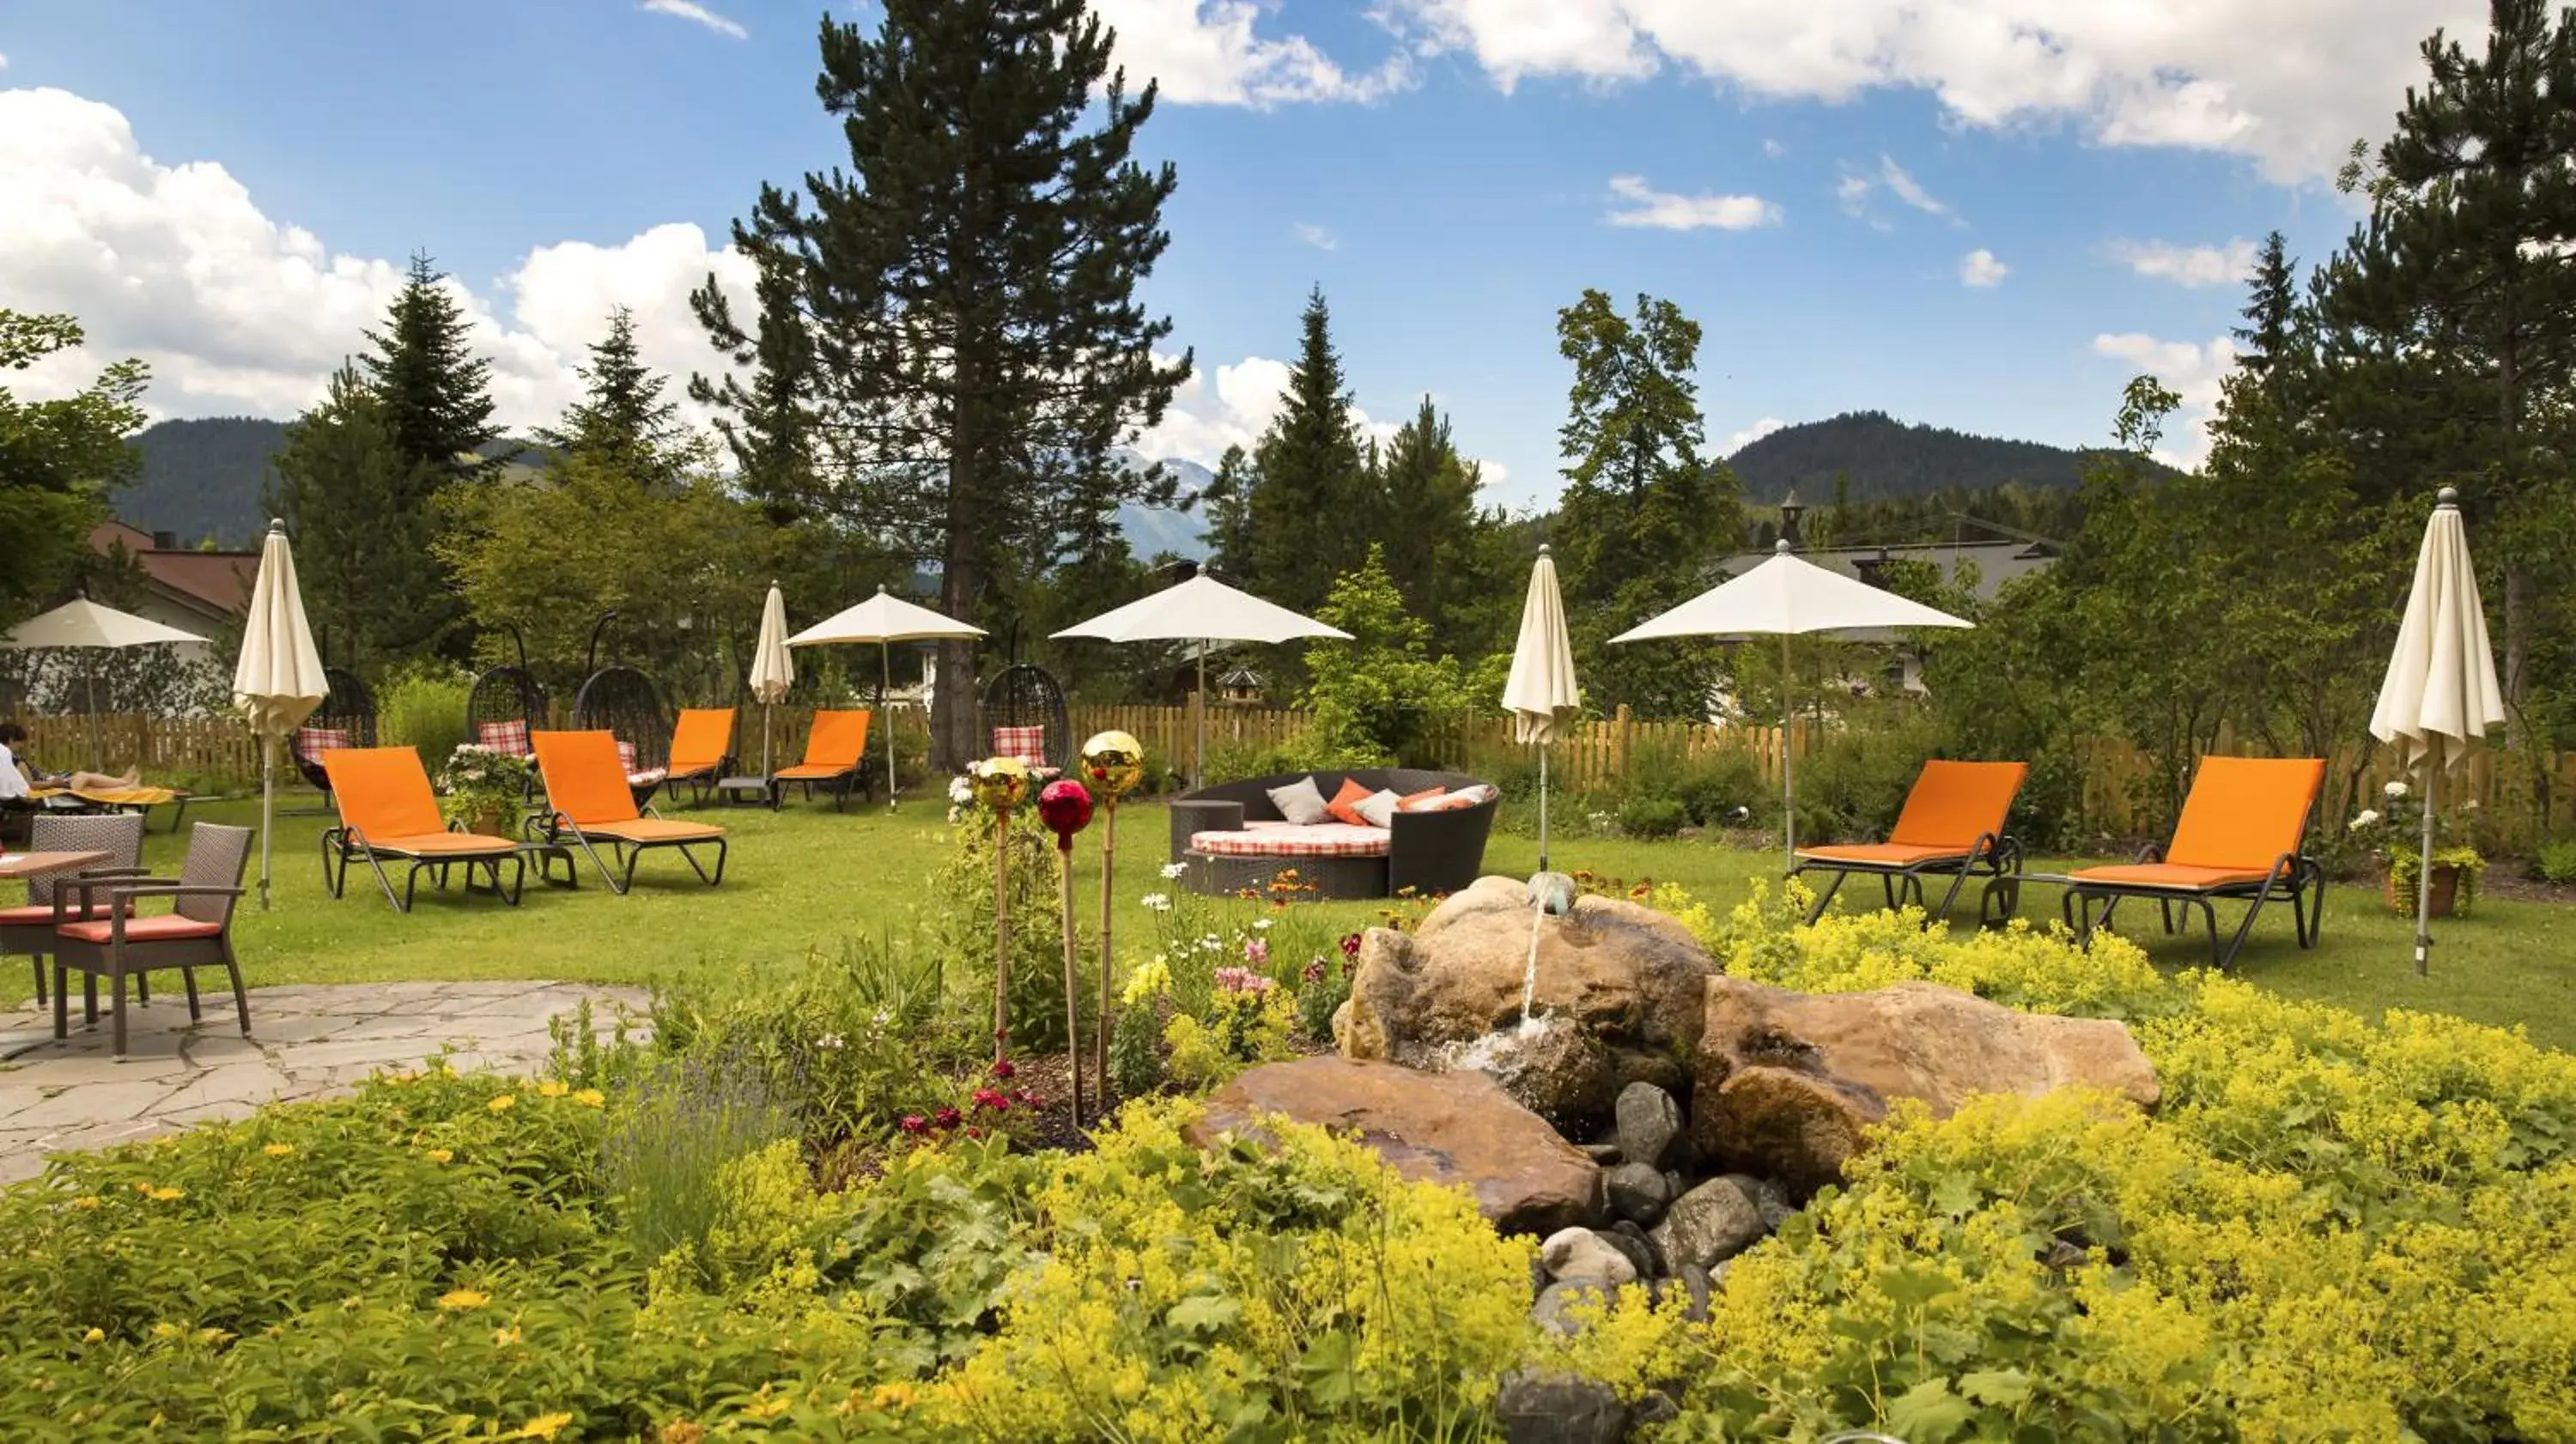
(483, 788)
(2396, 839)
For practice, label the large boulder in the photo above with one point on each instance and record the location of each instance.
(1786, 1082)
(1446, 1128)
(1619, 985)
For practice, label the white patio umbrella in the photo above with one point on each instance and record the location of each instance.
(2440, 698)
(85, 624)
(278, 681)
(772, 670)
(1542, 680)
(1206, 611)
(1785, 597)
(885, 620)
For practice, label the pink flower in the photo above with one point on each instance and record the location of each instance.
(1315, 971)
(1257, 951)
(988, 1098)
(915, 1123)
(1350, 945)
(1003, 1069)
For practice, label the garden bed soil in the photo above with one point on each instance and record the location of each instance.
(2514, 888)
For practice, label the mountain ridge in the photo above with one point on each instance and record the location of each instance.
(1879, 457)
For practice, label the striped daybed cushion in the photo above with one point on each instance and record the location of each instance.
(1279, 839)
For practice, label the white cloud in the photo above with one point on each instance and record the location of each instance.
(690, 10)
(1320, 237)
(2187, 265)
(1909, 190)
(1774, 149)
(1980, 269)
(1854, 191)
(2288, 83)
(2192, 370)
(1204, 52)
(1753, 433)
(239, 313)
(4, 62)
(1652, 209)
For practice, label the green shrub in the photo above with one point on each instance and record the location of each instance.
(2556, 861)
(931, 1246)
(424, 707)
(1136, 1051)
(1652, 816)
(685, 1121)
(1853, 782)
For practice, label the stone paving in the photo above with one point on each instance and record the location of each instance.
(306, 1042)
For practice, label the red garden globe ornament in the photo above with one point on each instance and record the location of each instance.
(1065, 807)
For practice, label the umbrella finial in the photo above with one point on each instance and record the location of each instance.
(2448, 498)
(1542, 549)
(1781, 548)
(276, 525)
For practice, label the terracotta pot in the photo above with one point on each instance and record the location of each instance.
(496, 823)
(2446, 891)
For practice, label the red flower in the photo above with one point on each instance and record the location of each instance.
(1350, 945)
(915, 1123)
(947, 1117)
(1003, 1069)
(1315, 971)
(988, 1098)
(974, 1132)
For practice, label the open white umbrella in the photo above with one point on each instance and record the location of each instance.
(885, 619)
(2440, 698)
(772, 670)
(1784, 597)
(278, 681)
(1206, 611)
(1542, 679)
(83, 623)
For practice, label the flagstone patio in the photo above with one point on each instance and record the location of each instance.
(306, 1042)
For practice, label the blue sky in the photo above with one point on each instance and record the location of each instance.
(1985, 214)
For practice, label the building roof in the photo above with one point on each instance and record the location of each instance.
(217, 583)
(1996, 563)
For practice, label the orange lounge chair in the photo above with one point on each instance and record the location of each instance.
(387, 809)
(2240, 836)
(836, 750)
(701, 744)
(1953, 823)
(586, 788)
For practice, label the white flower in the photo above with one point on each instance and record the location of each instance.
(884, 1016)
(1157, 902)
(1175, 869)
(2363, 819)
(1210, 945)
(2469, 805)
(1261, 924)
(2395, 790)
(829, 1042)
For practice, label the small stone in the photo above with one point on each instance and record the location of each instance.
(1552, 1311)
(1770, 1199)
(1580, 1256)
(1638, 1192)
(1605, 1154)
(1712, 1222)
(1652, 1410)
(1695, 1282)
(1650, 1122)
(1653, 1264)
(1554, 1408)
(2062, 1256)
(1538, 1277)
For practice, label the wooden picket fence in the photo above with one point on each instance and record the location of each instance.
(201, 749)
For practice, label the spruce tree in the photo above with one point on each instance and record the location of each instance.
(1227, 504)
(622, 420)
(1644, 517)
(1426, 511)
(350, 499)
(1308, 498)
(437, 392)
(768, 424)
(2271, 309)
(968, 289)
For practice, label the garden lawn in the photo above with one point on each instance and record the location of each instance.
(807, 878)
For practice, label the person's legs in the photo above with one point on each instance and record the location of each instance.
(101, 782)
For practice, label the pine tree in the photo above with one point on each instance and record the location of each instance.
(2272, 310)
(1309, 497)
(1227, 503)
(437, 392)
(622, 419)
(1643, 517)
(768, 426)
(1426, 511)
(968, 291)
(349, 497)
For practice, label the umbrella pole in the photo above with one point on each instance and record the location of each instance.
(1198, 754)
(764, 738)
(1108, 880)
(89, 704)
(1542, 805)
(885, 674)
(2424, 873)
(1788, 766)
(267, 812)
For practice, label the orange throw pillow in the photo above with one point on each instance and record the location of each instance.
(1414, 801)
(1345, 806)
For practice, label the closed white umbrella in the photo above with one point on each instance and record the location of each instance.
(2440, 698)
(1785, 597)
(1202, 610)
(772, 670)
(1542, 680)
(83, 623)
(278, 681)
(885, 620)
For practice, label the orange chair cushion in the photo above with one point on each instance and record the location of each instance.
(2245, 812)
(813, 772)
(585, 779)
(440, 844)
(835, 743)
(166, 927)
(1952, 804)
(700, 740)
(42, 914)
(2170, 876)
(647, 830)
(1345, 806)
(1417, 801)
(1880, 854)
(382, 791)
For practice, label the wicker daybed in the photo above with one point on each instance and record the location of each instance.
(1230, 838)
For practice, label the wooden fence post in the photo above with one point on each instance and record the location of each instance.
(1620, 726)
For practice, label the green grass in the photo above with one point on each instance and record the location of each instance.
(807, 878)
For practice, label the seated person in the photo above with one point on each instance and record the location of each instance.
(18, 777)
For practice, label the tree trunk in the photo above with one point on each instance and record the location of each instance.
(2517, 640)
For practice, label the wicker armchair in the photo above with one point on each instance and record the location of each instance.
(1025, 696)
(346, 718)
(1430, 852)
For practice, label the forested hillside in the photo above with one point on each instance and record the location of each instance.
(1875, 455)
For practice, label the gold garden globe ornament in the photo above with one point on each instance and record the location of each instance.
(1001, 783)
(1114, 762)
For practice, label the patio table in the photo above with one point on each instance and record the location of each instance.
(15, 865)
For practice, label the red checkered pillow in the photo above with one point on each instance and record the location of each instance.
(312, 742)
(1028, 744)
(509, 736)
(626, 757)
